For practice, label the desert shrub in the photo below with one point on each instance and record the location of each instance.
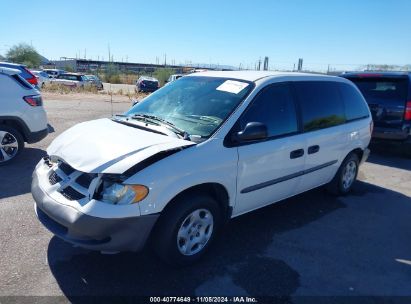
(163, 74)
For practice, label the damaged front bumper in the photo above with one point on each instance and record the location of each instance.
(108, 234)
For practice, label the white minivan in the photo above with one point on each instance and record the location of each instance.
(206, 148)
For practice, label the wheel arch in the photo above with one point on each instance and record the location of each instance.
(216, 190)
(358, 151)
(15, 123)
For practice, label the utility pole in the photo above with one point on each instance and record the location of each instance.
(165, 60)
(109, 53)
(300, 64)
(265, 63)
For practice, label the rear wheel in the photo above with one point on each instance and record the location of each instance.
(11, 144)
(187, 229)
(345, 176)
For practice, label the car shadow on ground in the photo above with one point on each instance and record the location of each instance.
(15, 178)
(389, 155)
(236, 264)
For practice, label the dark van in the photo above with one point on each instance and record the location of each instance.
(388, 95)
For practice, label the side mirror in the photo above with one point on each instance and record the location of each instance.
(252, 131)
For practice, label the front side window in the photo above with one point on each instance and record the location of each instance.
(321, 104)
(275, 108)
(198, 105)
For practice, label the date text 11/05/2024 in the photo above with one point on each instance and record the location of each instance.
(203, 300)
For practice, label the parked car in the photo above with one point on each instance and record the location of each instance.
(147, 84)
(53, 73)
(200, 151)
(43, 78)
(174, 77)
(73, 80)
(24, 72)
(22, 116)
(388, 95)
(95, 81)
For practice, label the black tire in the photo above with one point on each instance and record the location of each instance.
(337, 186)
(164, 240)
(9, 139)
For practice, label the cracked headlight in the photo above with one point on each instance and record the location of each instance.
(120, 194)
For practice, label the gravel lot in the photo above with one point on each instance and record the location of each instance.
(312, 244)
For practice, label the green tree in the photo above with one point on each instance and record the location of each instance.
(24, 54)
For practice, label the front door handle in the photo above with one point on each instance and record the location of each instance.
(313, 149)
(296, 153)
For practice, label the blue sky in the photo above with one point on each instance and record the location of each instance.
(322, 32)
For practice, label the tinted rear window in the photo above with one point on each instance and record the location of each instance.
(355, 107)
(321, 104)
(383, 90)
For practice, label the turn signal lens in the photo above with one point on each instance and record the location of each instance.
(140, 192)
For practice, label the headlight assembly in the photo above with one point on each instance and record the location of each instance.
(117, 193)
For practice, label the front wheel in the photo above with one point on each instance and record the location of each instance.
(11, 144)
(186, 229)
(346, 175)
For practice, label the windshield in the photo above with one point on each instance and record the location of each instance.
(197, 105)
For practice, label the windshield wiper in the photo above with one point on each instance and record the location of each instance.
(159, 120)
(204, 117)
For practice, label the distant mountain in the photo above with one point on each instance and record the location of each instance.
(44, 60)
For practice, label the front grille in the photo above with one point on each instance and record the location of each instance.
(54, 178)
(85, 179)
(73, 185)
(66, 168)
(72, 194)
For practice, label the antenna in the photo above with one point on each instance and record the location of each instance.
(111, 100)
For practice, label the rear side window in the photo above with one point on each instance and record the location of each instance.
(21, 81)
(355, 107)
(274, 107)
(321, 104)
(378, 90)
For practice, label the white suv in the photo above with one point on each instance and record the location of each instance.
(22, 116)
(192, 155)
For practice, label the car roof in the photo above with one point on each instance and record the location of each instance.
(12, 64)
(75, 74)
(254, 75)
(148, 78)
(376, 74)
(9, 71)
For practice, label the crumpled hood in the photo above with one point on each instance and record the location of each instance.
(104, 146)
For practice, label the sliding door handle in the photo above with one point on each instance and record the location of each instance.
(313, 149)
(296, 153)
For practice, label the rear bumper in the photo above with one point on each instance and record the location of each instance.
(94, 233)
(146, 89)
(33, 137)
(391, 134)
